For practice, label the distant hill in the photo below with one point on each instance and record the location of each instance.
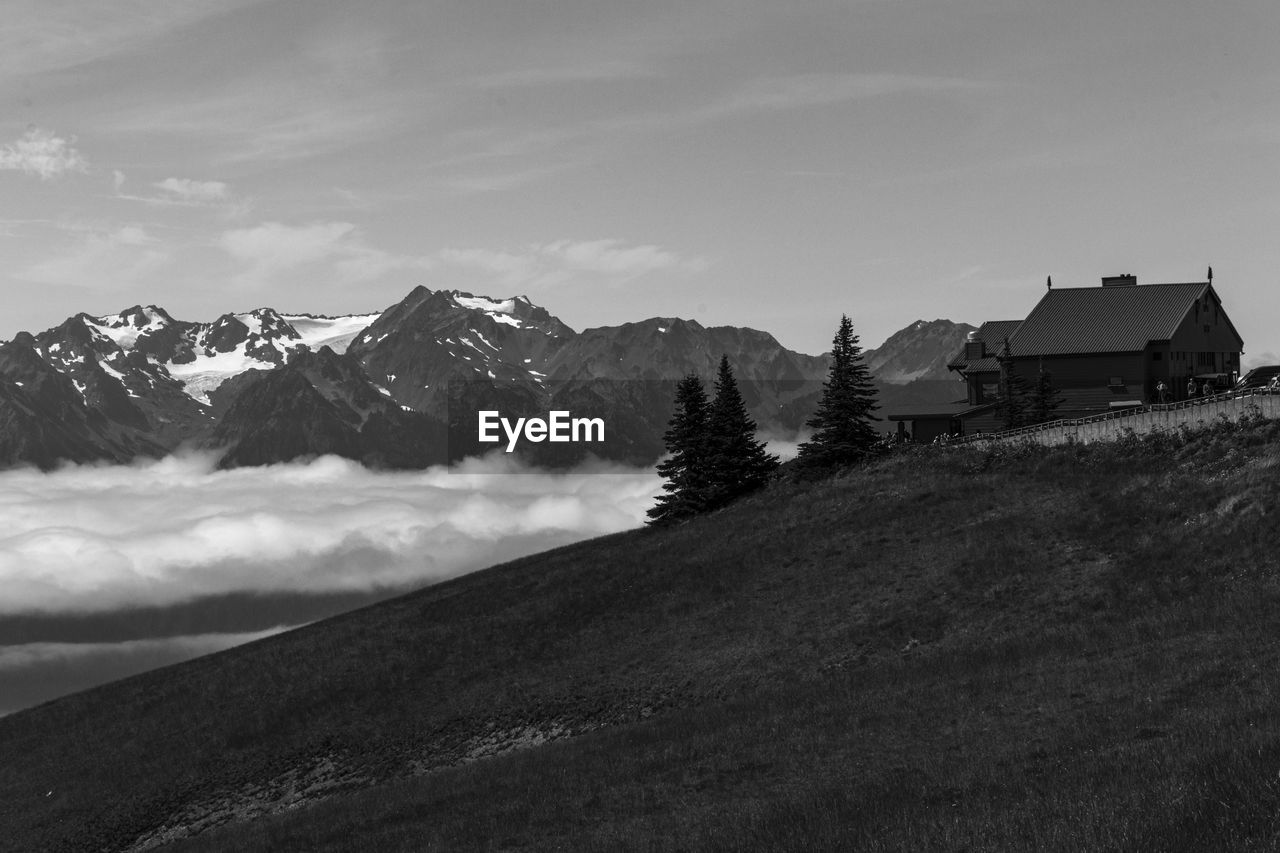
(1075, 661)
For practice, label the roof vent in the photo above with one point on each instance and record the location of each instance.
(1125, 280)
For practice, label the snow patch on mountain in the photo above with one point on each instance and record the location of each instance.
(207, 372)
(501, 310)
(336, 333)
(124, 328)
(484, 303)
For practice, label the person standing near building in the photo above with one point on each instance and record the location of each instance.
(1191, 387)
(1162, 392)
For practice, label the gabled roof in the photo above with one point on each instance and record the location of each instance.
(1075, 320)
(992, 333)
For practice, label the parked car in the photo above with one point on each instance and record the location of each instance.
(1258, 377)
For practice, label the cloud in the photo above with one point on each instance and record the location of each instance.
(591, 72)
(43, 35)
(272, 249)
(39, 152)
(32, 655)
(113, 258)
(184, 192)
(814, 90)
(274, 245)
(563, 260)
(31, 673)
(193, 191)
(505, 144)
(86, 539)
(785, 448)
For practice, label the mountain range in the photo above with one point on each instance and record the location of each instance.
(386, 388)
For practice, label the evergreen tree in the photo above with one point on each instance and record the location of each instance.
(736, 462)
(1012, 404)
(1045, 399)
(685, 469)
(842, 430)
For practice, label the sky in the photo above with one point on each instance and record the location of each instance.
(751, 163)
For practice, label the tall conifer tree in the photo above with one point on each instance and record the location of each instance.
(736, 462)
(1044, 400)
(1013, 405)
(842, 430)
(685, 469)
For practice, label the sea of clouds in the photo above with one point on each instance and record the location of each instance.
(89, 538)
(85, 542)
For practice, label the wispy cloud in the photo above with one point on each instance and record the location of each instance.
(42, 153)
(185, 192)
(45, 35)
(195, 191)
(272, 249)
(101, 538)
(499, 157)
(558, 75)
(282, 120)
(610, 260)
(814, 90)
(115, 257)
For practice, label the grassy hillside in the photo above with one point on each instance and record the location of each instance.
(1053, 649)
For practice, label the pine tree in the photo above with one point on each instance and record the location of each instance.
(1045, 399)
(1012, 404)
(685, 468)
(842, 430)
(736, 462)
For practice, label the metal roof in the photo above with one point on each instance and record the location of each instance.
(992, 333)
(1077, 320)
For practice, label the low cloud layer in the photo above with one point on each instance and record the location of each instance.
(37, 672)
(95, 539)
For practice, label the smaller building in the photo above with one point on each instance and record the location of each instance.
(927, 423)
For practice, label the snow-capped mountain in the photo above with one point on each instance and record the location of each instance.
(431, 337)
(201, 356)
(264, 386)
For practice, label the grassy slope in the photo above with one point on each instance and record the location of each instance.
(1045, 649)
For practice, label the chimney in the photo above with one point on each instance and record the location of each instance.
(974, 348)
(1125, 280)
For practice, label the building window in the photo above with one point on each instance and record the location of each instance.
(1157, 356)
(1206, 328)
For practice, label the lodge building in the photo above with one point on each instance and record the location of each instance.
(1105, 348)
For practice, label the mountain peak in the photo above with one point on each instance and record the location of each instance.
(918, 351)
